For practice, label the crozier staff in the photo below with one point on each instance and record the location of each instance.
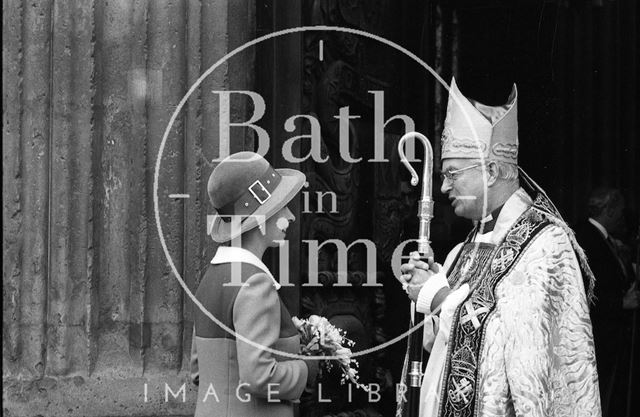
(236, 378)
(409, 405)
(510, 333)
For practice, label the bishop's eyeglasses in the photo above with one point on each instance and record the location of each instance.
(453, 174)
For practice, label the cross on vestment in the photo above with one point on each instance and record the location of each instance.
(503, 258)
(472, 314)
(462, 391)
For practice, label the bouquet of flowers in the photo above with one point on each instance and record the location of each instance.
(318, 337)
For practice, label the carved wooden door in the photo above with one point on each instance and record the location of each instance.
(355, 96)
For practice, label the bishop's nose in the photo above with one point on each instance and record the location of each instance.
(446, 187)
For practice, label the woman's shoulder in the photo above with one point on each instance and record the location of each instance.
(230, 273)
(222, 282)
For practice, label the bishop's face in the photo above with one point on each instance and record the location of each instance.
(464, 187)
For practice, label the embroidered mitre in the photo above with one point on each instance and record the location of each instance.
(475, 130)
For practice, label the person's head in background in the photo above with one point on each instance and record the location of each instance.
(606, 206)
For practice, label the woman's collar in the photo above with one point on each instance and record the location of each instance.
(229, 254)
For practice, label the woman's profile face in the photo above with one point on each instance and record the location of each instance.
(276, 226)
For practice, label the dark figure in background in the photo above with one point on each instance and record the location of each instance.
(617, 296)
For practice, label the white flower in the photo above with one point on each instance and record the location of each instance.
(315, 320)
(344, 355)
(318, 337)
(297, 322)
(333, 334)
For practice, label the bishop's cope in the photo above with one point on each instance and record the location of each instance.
(507, 322)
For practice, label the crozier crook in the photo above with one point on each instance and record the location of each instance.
(425, 205)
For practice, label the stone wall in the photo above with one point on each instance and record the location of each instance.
(92, 311)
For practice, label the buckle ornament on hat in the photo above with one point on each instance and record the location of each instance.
(245, 191)
(262, 189)
(256, 195)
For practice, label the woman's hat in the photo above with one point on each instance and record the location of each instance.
(245, 190)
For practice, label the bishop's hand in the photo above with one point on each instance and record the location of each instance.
(415, 273)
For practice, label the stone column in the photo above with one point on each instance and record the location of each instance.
(95, 323)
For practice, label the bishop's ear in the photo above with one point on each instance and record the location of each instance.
(493, 172)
